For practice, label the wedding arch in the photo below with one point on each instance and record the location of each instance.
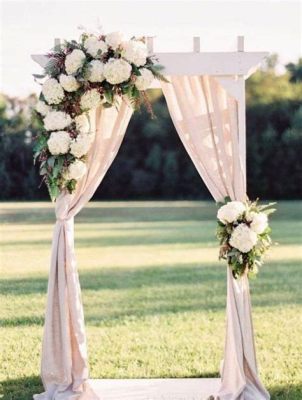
(206, 100)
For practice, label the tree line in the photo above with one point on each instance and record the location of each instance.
(152, 162)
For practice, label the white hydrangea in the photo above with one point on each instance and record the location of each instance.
(52, 91)
(58, 142)
(144, 81)
(42, 108)
(90, 99)
(135, 51)
(114, 39)
(76, 170)
(80, 146)
(82, 123)
(243, 238)
(259, 222)
(74, 61)
(56, 120)
(231, 211)
(95, 71)
(69, 83)
(95, 47)
(117, 71)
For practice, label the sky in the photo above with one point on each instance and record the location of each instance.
(29, 27)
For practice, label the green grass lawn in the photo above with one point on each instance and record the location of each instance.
(153, 292)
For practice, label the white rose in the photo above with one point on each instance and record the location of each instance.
(95, 71)
(42, 108)
(56, 120)
(82, 123)
(135, 51)
(81, 145)
(76, 170)
(117, 71)
(69, 83)
(95, 47)
(90, 99)
(74, 61)
(231, 211)
(144, 81)
(259, 222)
(58, 142)
(114, 39)
(243, 238)
(52, 91)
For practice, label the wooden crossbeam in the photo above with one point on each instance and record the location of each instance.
(239, 62)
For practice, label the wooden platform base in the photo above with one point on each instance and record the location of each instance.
(155, 389)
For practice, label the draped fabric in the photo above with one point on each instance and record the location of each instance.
(206, 119)
(64, 366)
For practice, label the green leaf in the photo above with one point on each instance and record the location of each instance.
(38, 76)
(155, 71)
(108, 96)
(71, 185)
(136, 70)
(51, 161)
(53, 190)
(57, 166)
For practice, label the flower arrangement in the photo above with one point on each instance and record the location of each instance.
(80, 76)
(244, 235)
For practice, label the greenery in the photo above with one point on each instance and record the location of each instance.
(152, 163)
(153, 291)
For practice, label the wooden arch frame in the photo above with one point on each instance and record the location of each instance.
(230, 69)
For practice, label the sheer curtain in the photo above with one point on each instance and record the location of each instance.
(206, 119)
(64, 366)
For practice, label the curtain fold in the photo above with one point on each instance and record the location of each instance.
(206, 119)
(64, 365)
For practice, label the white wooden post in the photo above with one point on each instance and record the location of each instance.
(241, 110)
(240, 43)
(150, 44)
(196, 44)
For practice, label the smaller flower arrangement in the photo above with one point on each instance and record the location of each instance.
(244, 235)
(80, 76)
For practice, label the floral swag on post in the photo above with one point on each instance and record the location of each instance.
(81, 76)
(244, 235)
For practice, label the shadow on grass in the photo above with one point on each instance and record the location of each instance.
(136, 211)
(121, 278)
(126, 212)
(134, 238)
(113, 294)
(20, 389)
(286, 392)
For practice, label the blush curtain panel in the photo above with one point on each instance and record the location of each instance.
(206, 119)
(64, 366)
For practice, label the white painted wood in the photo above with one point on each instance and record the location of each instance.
(150, 43)
(242, 123)
(196, 44)
(240, 43)
(155, 389)
(231, 85)
(196, 63)
(40, 59)
(232, 63)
